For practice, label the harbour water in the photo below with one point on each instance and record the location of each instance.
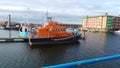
(21, 55)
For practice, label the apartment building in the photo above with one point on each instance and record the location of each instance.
(101, 23)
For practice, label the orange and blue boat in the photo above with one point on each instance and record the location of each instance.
(52, 33)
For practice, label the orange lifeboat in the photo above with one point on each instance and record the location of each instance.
(52, 30)
(52, 33)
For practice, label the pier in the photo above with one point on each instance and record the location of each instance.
(13, 39)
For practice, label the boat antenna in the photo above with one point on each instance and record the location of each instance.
(47, 13)
(49, 19)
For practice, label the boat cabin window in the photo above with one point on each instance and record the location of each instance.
(54, 30)
(20, 29)
(26, 30)
(57, 29)
(47, 30)
(60, 30)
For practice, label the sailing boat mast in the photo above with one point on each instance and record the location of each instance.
(26, 16)
(25, 19)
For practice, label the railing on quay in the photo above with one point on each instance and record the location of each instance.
(84, 62)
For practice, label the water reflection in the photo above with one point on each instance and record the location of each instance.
(55, 54)
(93, 46)
(112, 44)
(21, 55)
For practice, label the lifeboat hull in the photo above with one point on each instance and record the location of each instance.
(45, 41)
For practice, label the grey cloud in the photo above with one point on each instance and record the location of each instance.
(63, 10)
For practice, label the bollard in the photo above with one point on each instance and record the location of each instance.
(83, 35)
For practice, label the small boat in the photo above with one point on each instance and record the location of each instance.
(23, 31)
(117, 32)
(52, 33)
(23, 34)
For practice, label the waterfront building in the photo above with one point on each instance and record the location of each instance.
(101, 23)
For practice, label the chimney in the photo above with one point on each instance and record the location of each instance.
(106, 14)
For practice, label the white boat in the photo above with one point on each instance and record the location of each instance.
(73, 31)
(23, 31)
(117, 32)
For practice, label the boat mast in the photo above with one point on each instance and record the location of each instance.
(49, 19)
(25, 19)
(26, 16)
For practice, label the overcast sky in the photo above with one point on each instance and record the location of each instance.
(64, 11)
